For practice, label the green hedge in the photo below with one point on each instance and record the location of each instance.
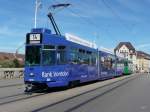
(10, 64)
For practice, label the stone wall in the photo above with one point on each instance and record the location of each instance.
(10, 73)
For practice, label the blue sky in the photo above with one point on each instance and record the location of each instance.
(107, 22)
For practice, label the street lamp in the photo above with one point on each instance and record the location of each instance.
(38, 5)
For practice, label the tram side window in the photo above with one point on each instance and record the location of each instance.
(113, 62)
(61, 54)
(81, 56)
(107, 62)
(74, 56)
(125, 63)
(84, 57)
(94, 59)
(120, 65)
(89, 58)
(101, 60)
(48, 55)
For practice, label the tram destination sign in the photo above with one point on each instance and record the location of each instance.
(34, 38)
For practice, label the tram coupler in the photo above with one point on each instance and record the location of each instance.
(30, 88)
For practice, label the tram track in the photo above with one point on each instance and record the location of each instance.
(9, 96)
(95, 97)
(126, 80)
(11, 85)
(21, 96)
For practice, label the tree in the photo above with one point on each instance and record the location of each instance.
(16, 63)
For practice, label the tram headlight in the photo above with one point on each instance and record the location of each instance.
(31, 74)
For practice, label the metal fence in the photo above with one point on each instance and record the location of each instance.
(10, 73)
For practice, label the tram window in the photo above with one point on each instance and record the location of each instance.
(49, 47)
(48, 55)
(107, 62)
(32, 55)
(74, 55)
(89, 57)
(88, 52)
(125, 63)
(110, 63)
(61, 47)
(61, 55)
(86, 57)
(94, 59)
(81, 51)
(82, 57)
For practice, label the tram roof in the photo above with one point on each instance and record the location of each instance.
(61, 40)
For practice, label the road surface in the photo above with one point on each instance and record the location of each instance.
(128, 94)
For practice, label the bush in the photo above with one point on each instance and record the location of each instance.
(10, 64)
(7, 64)
(16, 63)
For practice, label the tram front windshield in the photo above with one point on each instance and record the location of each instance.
(48, 55)
(45, 55)
(33, 55)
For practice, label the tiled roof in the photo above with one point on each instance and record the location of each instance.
(141, 54)
(127, 44)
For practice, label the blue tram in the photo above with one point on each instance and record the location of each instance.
(52, 60)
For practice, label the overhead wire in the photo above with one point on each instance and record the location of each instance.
(87, 20)
(115, 14)
(91, 22)
(78, 15)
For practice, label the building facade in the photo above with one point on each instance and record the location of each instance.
(127, 50)
(140, 59)
(143, 62)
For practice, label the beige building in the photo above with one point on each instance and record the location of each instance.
(143, 62)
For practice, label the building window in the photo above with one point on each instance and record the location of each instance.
(131, 56)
